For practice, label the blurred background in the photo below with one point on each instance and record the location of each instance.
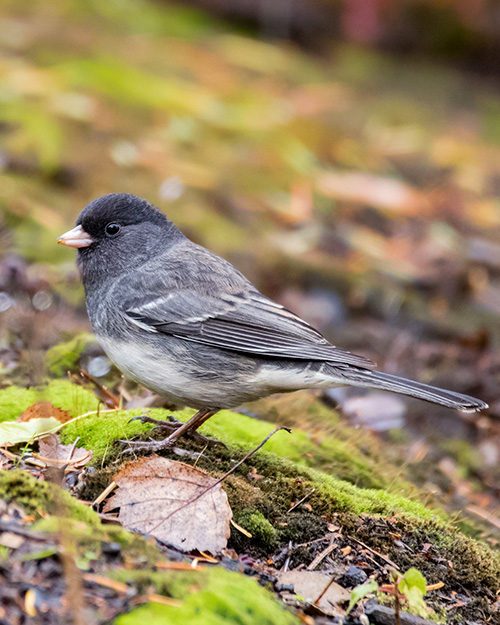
(343, 154)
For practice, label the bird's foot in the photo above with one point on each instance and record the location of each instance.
(171, 423)
(175, 427)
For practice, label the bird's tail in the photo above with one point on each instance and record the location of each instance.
(388, 382)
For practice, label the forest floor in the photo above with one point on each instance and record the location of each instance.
(359, 190)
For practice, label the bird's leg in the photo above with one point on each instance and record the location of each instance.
(189, 428)
(198, 420)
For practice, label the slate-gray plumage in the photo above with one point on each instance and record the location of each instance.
(186, 324)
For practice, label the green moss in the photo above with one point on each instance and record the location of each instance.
(77, 400)
(324, 443)
(89, 540)
(286, 482)
(214, 597)
(65, 356)
(98, 432)
(283, 462)
(341, 455)
(175, 584)
(35, 497)
(261, 529)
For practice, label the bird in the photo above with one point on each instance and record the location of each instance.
(189, 326)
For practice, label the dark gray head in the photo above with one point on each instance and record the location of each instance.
(116, 232)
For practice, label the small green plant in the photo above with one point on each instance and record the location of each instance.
(360, 592)
(413, 586)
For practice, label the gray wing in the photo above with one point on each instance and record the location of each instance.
(217, 306)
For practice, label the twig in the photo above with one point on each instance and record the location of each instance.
(318, 599)
(321, 556)
(109, 397)
(240, 529)
(396, 604)
(199, 456)
(108, 518)
(288, 558)
(104, 493)
(395, 581)
(55, 461)
(154, 598)
(72, 450)
(100, 580)
(301, 501)
(168, 565)
(384, 558)
(217, 482)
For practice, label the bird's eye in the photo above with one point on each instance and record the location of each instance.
(112, 229)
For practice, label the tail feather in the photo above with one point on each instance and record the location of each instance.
(388, 382)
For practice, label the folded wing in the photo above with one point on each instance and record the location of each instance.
(236, 318)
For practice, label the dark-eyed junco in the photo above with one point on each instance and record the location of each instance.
(189, 326)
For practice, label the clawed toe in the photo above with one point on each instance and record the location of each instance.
(144, 418)
(167, 443)
(175, 429)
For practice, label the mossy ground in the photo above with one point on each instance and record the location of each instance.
(35, 497)
(210, 597)
(77, 400)
(263, 489)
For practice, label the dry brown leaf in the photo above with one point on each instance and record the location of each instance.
(381, 192)
(310, 585)
(45, 410)
(173, 502)
(10, 540)
(53, 452)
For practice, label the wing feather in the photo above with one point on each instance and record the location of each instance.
(195, 295)
(245, 324)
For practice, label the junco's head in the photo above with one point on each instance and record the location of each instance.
(115, 231)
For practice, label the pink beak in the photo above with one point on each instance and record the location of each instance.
(76, 238)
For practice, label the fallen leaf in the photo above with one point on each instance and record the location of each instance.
(381, 192)
(310, 584)
(53, 452)
(174, 502)
(30, 602)
(44, 410)
(12, 432)
(10, 540)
